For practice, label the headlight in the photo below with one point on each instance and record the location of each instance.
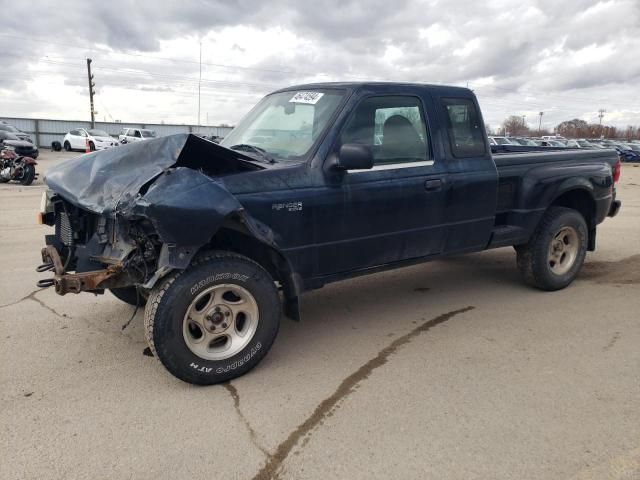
(46, 205)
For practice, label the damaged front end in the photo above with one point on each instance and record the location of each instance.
(125, 217)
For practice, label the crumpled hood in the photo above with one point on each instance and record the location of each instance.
(109, 181)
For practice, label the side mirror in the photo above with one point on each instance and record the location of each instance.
(353, 156)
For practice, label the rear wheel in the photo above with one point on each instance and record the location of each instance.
(554, 255)
(214, 321)
(92, 147)
(28, 175)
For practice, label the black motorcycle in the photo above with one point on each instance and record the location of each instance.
(16, 168)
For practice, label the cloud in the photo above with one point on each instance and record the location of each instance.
(565, 58)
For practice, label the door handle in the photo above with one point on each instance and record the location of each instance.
(433, 185)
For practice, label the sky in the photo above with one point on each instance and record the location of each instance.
(567, 59)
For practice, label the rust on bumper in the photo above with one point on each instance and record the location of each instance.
(76, 282)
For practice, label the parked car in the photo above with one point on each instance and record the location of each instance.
(130, 135)
(98, 140)
(628, 153)
(21, 147)
(499, 141)
(218, 238)
(580, 144)
(559, 138)
(18, 133)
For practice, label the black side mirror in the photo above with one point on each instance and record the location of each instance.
(353, 156)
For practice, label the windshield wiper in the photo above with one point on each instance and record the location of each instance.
(245, 147)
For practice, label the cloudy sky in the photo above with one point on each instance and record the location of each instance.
(567, 59)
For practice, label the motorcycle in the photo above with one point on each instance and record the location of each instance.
(15, 167)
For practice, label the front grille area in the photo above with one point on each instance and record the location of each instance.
(64, 232)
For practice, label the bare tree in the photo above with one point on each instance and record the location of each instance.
(515, 125)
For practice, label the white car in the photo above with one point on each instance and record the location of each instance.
(98, 140)
(130, 135)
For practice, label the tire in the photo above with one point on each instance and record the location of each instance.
(67, 147)
(55, 146)
(183, 310)
(92, 147)
(28, 175)
(556, 251)
(130, 295)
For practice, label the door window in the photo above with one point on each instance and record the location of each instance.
(393, 126)
(464, 128)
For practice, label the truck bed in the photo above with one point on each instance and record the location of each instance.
(516, 216)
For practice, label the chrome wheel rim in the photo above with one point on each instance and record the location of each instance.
(220, 322)
(563, 250)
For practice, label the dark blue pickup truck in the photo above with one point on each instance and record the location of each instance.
(316, 184)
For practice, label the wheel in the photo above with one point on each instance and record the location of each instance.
(92, 147)
(556, 251)
(28, 175)
(130, 295)
(67, 147)
(214, 321)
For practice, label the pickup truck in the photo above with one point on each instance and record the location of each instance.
(318, 183)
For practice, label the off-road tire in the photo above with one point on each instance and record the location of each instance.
(67, 147)
(532, 257)
(129, 295)
(168, 303)
(28, 175)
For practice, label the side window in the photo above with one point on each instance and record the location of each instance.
(393, 126)
(74, 133)
(137, 134)
(464, 127)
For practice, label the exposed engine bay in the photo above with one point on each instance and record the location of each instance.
(144, 209)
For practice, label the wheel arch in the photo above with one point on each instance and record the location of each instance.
(238, 235)
(581, 200)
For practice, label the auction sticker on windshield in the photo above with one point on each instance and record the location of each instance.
(310, 98)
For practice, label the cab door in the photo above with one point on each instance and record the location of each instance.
(472, 175)
(393, 212)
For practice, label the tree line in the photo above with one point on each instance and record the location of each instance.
(516, 126)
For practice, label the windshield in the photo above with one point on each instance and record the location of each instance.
(285, 125)
(502, 141)
(98, 133)
(8, 136)
(584, 143)
(148, 133)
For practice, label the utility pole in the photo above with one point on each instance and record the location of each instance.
(91, 93)
(540, 124)
(199, 81)
(601, 113)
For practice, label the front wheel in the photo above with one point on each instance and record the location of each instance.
(214, 321)
(67, 147)
(556, 251)
(28, 175)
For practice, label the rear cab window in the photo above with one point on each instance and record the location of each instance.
(395, 129)
(464, 128)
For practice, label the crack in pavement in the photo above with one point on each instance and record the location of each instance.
(233, 391)
(326, 408)
(44, 305)
(26, 297)
(32, 296)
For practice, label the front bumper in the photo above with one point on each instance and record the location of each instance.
(64, 283)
